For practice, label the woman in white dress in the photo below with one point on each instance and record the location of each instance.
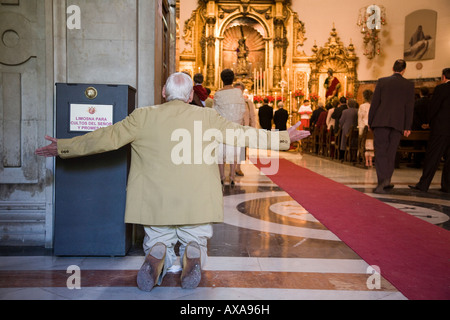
(229, 103)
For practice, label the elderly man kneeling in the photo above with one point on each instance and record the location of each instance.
(174, 192)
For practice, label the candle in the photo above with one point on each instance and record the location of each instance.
(290, 105)
(261, 83)
(264, 83)
(258, 87)
(266, 80)
(289, 80)
(307, 86)
(254, 82)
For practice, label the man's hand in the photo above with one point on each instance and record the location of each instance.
(50, 150)
(407, 133)
(297, 135)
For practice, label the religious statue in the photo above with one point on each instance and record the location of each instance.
(332, 85)
(242, 67)
(419, 45)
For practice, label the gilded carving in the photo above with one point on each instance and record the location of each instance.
(275, 37)
(299, 36)
(188, 34)
(338, 58)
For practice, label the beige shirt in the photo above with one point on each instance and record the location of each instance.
(170, 181)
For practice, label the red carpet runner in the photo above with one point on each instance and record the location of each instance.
(412, 254)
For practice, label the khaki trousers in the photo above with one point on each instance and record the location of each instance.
(170, 235)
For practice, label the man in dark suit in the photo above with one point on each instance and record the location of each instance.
(439, 143)
(390, 116)
(420, 123)
(265, 114)
(316, 114)
(338, 112)
(420, 120)
(281, 117)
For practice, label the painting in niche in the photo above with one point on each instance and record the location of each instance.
(420, 35)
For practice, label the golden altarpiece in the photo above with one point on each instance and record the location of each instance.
(263, 42)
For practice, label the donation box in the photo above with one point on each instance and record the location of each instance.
(90, 192)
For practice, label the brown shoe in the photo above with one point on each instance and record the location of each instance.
(383, 187)
(380, 190)
(153, 265)
(192, 272)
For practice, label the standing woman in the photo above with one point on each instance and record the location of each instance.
(230, 104)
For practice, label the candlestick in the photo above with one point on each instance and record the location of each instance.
(289, 79)
(261, 82)
(290, 108)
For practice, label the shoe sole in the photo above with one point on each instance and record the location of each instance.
(145, 281)
(192, 271)
(192, 280)
(147, 278)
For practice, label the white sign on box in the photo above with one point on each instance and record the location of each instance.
(88, 118)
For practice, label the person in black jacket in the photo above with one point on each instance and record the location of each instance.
(281, 117)
(420, 120)
(265, 114)
(390, 116)
(338, 112)
(439, 143)
(315, 115)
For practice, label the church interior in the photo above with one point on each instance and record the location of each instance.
(297, 235)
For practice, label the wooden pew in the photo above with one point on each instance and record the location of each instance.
(351, 149)
(337, 144)
(330, 147)
(416, 143)
(322, 144)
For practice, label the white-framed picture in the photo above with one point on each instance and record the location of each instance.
(420, 35)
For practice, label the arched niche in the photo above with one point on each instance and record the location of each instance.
(255, 34)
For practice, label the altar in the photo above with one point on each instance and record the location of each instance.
(263, 42)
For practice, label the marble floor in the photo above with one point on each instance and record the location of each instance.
(255, 255)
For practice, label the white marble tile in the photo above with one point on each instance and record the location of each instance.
(164, 293)
(313, 265)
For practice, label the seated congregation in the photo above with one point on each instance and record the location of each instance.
(340, 131)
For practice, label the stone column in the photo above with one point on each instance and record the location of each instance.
(210, 43)
(279, 43)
